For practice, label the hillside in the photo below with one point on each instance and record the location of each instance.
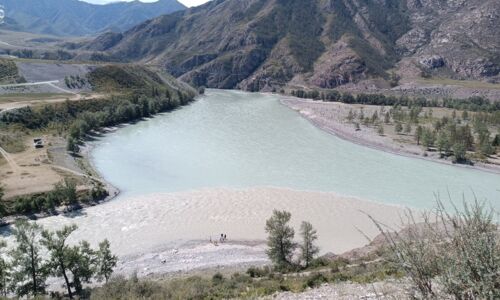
(264, 44)
(75, 18)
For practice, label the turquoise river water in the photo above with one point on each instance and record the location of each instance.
(235, 139)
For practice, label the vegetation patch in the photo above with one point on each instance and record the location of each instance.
(9, 72)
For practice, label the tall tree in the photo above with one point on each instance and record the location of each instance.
(398, 127)
(3, 210)
(82, 265)
(4, 271)
(29, 272)
(308, 248)
(106, 261)
(280, 240)
(60, 253)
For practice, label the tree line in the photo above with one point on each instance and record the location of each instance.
(63, 193)
(449, 135)
(475, 103)
(39, 253)
(78, 118)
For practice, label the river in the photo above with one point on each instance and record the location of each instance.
(234, 139)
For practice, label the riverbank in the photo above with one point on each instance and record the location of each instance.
(170, 233)
(332, 118)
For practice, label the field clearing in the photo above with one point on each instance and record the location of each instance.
(11, 98)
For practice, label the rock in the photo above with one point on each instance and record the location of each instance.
(432, 62)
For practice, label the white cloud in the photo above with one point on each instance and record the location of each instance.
(185, 2)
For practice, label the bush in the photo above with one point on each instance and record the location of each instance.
(461, 250)
(315, 280)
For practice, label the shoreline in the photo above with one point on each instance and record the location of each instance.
(170, 233)
(341, 131)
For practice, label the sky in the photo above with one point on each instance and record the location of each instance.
(188, 3)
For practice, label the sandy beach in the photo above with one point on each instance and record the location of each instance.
(332, 118)
(170, 233)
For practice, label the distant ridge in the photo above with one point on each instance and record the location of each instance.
(266, 44)
(77, 18)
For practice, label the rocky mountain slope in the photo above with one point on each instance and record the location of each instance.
(265, 44)
(74, 17)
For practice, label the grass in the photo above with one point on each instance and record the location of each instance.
(257, 282)
(12, 139)
(11, 98)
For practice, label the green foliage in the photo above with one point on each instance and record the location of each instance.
(9, 72)
(308, 248)
(105, 262)
(64, 193)
(460, 250)
(476, 104)
(29, 272)
(398, 127)
(3, 209)
(5, 271)
(61, 255)
(280, 239)
(28, 269)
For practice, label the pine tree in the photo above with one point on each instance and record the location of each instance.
(308, 248)
(280, 240)
(106, 261)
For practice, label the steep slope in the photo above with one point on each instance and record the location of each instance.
(74, 17)
(264, 44)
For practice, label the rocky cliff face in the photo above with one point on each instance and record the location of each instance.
(266, 44)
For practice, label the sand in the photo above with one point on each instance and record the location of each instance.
(165, 233)
(332, 118)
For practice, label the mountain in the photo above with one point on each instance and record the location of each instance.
(76, 18)
(262, 44)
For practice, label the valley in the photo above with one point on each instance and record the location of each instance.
(158, 151)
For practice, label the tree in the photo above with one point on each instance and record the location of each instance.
(4, 271)
(398, 127)
(380, 129)
(280, 240)
(418, 134)
(308, 248)
(465, 115)
(350, 116)
(3, 210)
(495, 143)
(443, 142)
(82, 262)
(29, 272)
(106, 261)
(408, 128)
(459, 152)
(60, 253)
(67, 191)
(72, 146)
(428, 138)
(387, 118)
(374, 117)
